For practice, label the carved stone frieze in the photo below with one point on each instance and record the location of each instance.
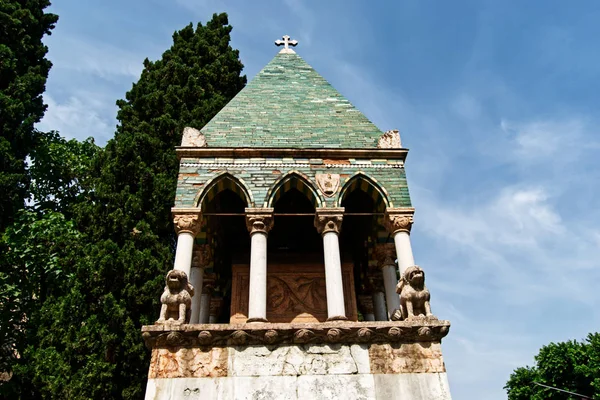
(390, 140)
(187, 220)
(259, 220)
(399, 219)
(328, 183)
(329, 220)
(409, 331)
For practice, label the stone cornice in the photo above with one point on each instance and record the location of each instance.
(259, 220)
(399, 219)
(187, 220)
(329, 220)
(193, 335)
(200, 152)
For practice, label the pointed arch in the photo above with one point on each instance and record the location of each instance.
(362, 181)
(222, 181)
(293, 180)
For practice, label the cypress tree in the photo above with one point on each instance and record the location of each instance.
(23, 73)
(89, 344)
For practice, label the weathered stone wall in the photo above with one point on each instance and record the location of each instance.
(261, 174)
(311, 371)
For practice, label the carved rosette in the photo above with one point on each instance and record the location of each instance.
(329, 220)
(415, 331)
(187, 221)
(259, 220)
(385, 253)
(399, 219)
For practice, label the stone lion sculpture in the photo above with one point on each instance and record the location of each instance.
(414, 296)
(176, 299)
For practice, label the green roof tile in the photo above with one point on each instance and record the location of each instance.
(288, 104)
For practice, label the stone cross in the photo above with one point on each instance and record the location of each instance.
(286, 42)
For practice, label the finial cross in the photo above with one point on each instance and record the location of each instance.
(286, 42)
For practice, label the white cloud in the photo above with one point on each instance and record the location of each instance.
(80, 116)
(97, 58)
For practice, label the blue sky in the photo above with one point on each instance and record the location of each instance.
(497, 101)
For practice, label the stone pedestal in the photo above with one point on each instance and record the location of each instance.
(334, 360)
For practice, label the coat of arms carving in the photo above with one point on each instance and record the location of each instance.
(328, 183)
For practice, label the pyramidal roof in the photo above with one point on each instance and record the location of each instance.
(289, 105)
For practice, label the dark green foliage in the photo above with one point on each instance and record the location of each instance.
(23, 73)
(60, 172)
(573, 366)
(87, 343)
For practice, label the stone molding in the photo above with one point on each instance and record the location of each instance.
(187, 220)
(399, 219)
(259, 220)
(258, 333)
(358, 165)
(246, 152)
(385, 254)
(329, 220)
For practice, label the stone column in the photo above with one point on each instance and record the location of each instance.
(205, 305)
(328, 222)
(385, 260)
(399, 222)
(379, 306)
(187, 226)
(201, 259)
(366, 306)
(259, 222)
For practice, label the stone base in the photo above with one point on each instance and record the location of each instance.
(316, 387)
(406, 371)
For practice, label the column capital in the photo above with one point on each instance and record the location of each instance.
(259, 220)
(187, 220)
(202, 256)
(399, 219)
(329, 219)
(384, 254)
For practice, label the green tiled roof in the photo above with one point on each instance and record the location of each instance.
(288, 104)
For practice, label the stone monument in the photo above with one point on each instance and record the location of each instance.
(294, 276)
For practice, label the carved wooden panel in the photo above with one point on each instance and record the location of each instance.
(295, 293)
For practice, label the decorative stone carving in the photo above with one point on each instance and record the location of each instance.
(417, 330)
(187, 222)
(390, 140)
(192, 138)
(399, 219)
(286, 43)
(329, 220)
(176, 300)
(205, 337)
(414, 296)
(259, 220)
(385, 253)
(328, 183)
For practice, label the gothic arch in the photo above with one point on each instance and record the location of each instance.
(222, 181)
(297, 180)
(362, 181)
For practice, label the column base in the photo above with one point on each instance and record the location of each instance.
(251, 320)
(338, 318)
